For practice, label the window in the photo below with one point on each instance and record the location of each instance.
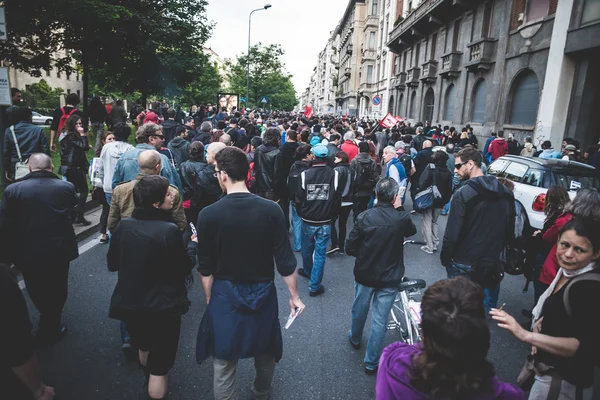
(525, 99)
(369, 74)
(48, 72)
(79, 93)
(433, 46)
(515, 172)
(591, 11)
(449, 102)
(428, 105)
(497, 168)
(68, 91)
(417, 53)
(396, 65)
(383, 68)
(533, 177)
(400, 101)
(537, 9)
(371, 40)
(374, 7)
(456, 35)
(58, 73)
(479, 98)
(413, 102)
(488, 20)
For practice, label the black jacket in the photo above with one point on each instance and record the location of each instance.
(97, 113)
(366, 161)
(31, 140)
(480, 223)
(148, 252)
(189, 171)
(293, 181)
(318, 197)
(180, 149)
(203, 137)
(422, 160)
(58, 114)
(443, 179)
(206, 188)
(376, 240)
(288, 156)
(34, 221)
(268, 168)
(345, 182)
(418, 141)
(72, 151)
(332, 150)
(169, 128)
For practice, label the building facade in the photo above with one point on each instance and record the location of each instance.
(498, 65)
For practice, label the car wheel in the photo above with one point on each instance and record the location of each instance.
(48, 122)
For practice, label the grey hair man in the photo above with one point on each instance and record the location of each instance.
(419, 139)
(379, 266)
(35, 210)
(225, 139)
(395, 170)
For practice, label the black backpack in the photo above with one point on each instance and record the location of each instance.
(406, 161)
(366, 178)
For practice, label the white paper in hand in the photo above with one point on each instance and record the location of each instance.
(291, 318)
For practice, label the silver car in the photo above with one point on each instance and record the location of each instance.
(40, 119)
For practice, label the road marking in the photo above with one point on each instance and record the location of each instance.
(90, 244)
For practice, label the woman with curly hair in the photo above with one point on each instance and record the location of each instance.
(451, 362)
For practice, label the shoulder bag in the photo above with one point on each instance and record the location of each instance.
(21, 168)
(430, 197)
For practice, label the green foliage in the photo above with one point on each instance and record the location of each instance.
(41, 95)
(204, 88)
(267, 78)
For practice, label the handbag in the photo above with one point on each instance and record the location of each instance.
(531, 368)
(21, 168)
(430, 197)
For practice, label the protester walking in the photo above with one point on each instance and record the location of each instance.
(98, 191)
(242, 316)
(303, 158)
(110, 155)
(346, 184)
(153, 264)
(365, 175)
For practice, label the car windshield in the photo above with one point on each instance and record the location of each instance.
(35, 114)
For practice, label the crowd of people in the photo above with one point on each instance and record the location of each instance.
(194, 185)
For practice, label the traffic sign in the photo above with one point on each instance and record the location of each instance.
(5, 97)
(3, 36)
(376, 100)
(243, 99)
(264, 99)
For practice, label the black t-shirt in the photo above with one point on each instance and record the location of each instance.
(16, 341)
(239, 237)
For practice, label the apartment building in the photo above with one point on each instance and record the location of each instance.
(521, 66)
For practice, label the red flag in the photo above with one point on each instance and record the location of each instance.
(388, 121)
(308, 112)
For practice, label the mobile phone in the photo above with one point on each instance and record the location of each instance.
(193, 229)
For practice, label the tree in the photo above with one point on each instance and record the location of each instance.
(150, 46)
(41, 95)
(204, 88)
(267, 78)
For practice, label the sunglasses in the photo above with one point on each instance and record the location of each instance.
(459, 165)
(159, 136)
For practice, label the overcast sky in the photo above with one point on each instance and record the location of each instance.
(301, 27)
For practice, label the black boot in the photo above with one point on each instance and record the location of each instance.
(81, 220)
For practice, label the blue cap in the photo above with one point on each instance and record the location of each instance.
(320, 151)
(315, 140)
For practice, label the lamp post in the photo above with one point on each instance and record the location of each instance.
(265, 7)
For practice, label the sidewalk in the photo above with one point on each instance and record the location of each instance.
(93, 215)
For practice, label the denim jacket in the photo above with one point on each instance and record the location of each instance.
(31, 140)
(127, 167)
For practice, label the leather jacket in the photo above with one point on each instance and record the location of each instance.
(345, 181)
(189, 171)
(72, 151)
(268, 167)
(206, 188)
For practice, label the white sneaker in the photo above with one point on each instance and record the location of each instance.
(426, 250)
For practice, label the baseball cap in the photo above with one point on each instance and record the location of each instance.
(570, 147)
(320, 150)
(315, 141)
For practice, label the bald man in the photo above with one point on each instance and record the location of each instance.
(122, 205)
(37, 236)
(206, 189)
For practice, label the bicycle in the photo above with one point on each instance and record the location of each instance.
(406, 310)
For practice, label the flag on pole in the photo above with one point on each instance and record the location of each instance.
(308, 112)
(388, 121)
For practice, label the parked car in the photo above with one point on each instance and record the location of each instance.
(534, 176)
(40, 119)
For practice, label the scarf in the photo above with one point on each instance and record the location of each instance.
(537, 310)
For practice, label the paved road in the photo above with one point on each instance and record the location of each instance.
(318, 362)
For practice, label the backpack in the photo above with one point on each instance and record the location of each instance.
(366, 178)
(406, 161)
(64, 117)
(251, 179)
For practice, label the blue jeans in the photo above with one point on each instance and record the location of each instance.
(125, 338)
(446, 209)
(314, 252)
(296, 227)
(383, 300)
(108, 198)
(491, 294)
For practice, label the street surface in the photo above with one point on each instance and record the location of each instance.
(318, 362)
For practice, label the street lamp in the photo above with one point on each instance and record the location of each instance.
(265, 7)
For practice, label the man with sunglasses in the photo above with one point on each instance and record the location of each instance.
(480, 224)
(150, 137)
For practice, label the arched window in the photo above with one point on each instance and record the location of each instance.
(525, 99)
(449, 103)
(400, 101)
(413, 103)
(479, 97)
(391, 105)
(428, 105)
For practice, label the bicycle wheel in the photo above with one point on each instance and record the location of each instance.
(401, 320)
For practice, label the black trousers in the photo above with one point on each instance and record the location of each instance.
(284, 203)
(47, 285)
(77, 177)
(342, 219)
(104, 218)
(360, 204)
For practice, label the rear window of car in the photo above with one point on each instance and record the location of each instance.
(575, 180)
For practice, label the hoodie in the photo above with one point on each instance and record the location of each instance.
(180, 148)
(480, 223)
(549, 153)
(395, 369)
(528, 150)
(498, 148)
(111, 152)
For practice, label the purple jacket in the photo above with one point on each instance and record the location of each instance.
(393, 381)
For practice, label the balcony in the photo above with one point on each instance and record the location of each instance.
(481, 55)
(372, 21)
(401, 81)
(369, 55)
(349, 49)
(451, 65)
(429, 72)
(412, 77)
(348, 71)
(426, 18)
